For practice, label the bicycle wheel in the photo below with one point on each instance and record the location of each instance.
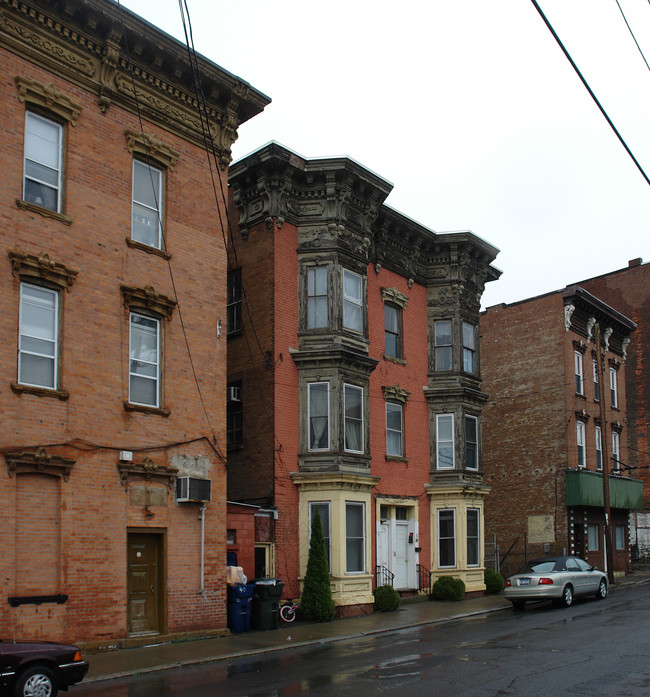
(288, 613)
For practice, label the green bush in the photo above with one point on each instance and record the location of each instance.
(448, 588)
(316, 602)
(494, 581)
(386, 599)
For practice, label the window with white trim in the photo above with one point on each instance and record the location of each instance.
(469, 347)
(473, 537)
(445, 441)
(43, 162)
(446, 537)
(471, 442)
(323, 510)
(394, 429)
(580, 440)
(355, 538)
(599, 448)
(596, 380)
(578, 369)
(616, 451)
(39, 336)
(442, 345)
(144, 360)
(352, 301)
(353, 418)
(147, 204)
(234, 302)
(317, 297)
(318, 415)
(613, 387)
(593, 538)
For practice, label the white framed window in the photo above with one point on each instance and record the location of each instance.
(469, 347)
(42, 165)
(394, 429)
(317, 297)
(353, 418)
(38, 337)
(446, 537)
(234, 302)
(355, 537)
(616, 451)
(613, 387)
(580, 440)
(352, 301)
(471, 442)
(323, 510)
(578, 369)
(445, 441)
(144, 360)
(443, 345)
(596, 380)
(593, 538)
(473, 537)
(147, 204)
(392, 331)
(599, 448)
(620, 532)
(318, 415)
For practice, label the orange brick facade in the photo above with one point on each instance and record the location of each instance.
(87, 503)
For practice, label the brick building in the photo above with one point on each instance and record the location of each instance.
(555, 421)
(353, 376)
(111, 297)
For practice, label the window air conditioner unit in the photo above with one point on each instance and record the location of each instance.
(234, 394)
(191, 489)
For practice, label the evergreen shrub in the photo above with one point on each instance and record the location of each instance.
(448, 588)
(386, 599)
(316, 602)
(494, 581)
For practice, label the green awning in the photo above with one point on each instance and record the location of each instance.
(584, 488)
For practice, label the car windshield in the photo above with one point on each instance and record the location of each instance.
(539, 566)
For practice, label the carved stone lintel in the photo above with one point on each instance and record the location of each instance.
(394, 393)
(33, 267)
(148, 299)
(151, 147)
(394, 296)
(148, 471)
(33, 93)
(38, 461)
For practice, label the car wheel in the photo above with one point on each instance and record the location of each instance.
(518, 604)
(37, 681)
(567, 596)
(601, 593)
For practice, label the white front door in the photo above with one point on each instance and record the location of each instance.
(401, 554)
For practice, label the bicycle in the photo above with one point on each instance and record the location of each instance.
(289, 610)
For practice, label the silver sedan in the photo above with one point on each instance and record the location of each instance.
(561, 579)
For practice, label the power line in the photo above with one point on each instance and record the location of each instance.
(632, 33)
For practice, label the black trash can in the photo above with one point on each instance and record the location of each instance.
(266, 603)
(240, 596)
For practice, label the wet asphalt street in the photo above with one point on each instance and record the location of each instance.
(593, 648)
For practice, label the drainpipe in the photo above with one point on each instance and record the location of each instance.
(202, 517)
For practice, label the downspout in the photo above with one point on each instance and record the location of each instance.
(202, 518)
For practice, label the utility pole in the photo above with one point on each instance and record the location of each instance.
(609, 555)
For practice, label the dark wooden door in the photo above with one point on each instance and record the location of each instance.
(143, 586)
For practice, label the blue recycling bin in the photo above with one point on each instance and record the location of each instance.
(240, 597)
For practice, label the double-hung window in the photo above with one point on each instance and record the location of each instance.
(355, 542)
(39, 336)
(593, 537)
(234, 303)
(318, 413)
(620, 533)
(394, 429)
(580, 439)
(353, 418)
(146, 226)
(352, 301)
(469, 347)
(234, 415)
(443, 345)
(596, 381)
(43, 162)
(471, 442)
(445, 441)
(613, 387)
(473, 538)
(616, 451)
(317, 297)
(323, 510)
(392, 331)
(446, 537)
(599, 448)
(577, 361)
(144, 360)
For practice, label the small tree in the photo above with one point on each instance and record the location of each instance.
(316, 602)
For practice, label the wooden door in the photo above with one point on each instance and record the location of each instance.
(143, 584)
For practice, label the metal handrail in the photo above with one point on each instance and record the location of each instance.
(424, 578)
(383, 576)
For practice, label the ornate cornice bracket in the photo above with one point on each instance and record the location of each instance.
(151, 147)
(33, 93)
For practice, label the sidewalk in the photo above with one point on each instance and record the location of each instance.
(412, 612)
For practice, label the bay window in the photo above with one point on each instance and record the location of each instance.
(318, 415)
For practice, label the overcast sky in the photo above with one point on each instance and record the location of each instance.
(468, 107)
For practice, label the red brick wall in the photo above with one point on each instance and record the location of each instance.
(95, 511)
(242, 521)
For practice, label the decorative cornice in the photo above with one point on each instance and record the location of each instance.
(392, 295)
(395, 393)
(149, 300)
(40, 462)
(148, 471)
(152, 148)
(32, 267)
(36, 94)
